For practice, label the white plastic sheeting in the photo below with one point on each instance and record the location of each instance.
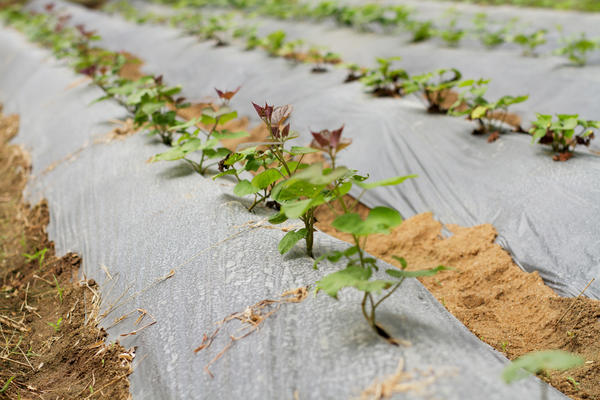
(546, 212)
(143, 220)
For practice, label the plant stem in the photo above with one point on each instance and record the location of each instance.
(389, 293)
(309, 222)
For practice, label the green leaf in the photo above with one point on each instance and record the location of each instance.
(7, 383)
(296, 150)
(231, 171)
(352, 276)
(290, 239)
(379, 220)
(207, 119)
(244, 188)
(171, 155)
(226, 135)
(535, 362)
(185, 125)
(478, 112)
(226, 117)
(401, 273)
(317, 175)
(570, 123)
(266, 178)
(278, 218)
(385, 182)
(401, 260)
(297, 208)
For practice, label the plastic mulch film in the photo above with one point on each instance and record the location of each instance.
(546, 212)
(185, 251)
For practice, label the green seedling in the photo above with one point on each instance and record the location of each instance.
(203, 140)
(491, 37)
(451, 34)
(59, 290)
(490, 116)
(573, 382)
(563, 133)
(529, 42)
(38, 256)
(384, 80)
(434, 87)
(152, 103)
(274, 162)
(355, 72)
(359, 267)
(7, 384)
(576, 49)
(56, 325)
(421, 30)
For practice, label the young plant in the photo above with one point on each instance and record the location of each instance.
(576, 49)
(490, 116)
(355, 72)
(321, 59)
(59, 289)
(152, 103)
(435, 87)
(384, 80)
(452, 34)
(56, 325)
(421, 30)
(489, 37)
(314, 185)
(540, 362)
(273, 42)
(564, 133)
(529, 42)
(359, 267)
(270, 163)
(217, 28)
(204, 139)
(37, 256)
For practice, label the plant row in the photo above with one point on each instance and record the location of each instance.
(370, 16)
(223, 29)
(272, 173)
(443, 91)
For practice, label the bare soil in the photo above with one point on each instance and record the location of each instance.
(511, 310)
(51, 346)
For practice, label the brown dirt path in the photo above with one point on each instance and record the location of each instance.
(50, 344)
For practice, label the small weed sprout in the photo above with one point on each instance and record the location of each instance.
(38, 256)
(573, 382)
(563, 133)
(4, 388)
(56, 325)
(59, 289)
